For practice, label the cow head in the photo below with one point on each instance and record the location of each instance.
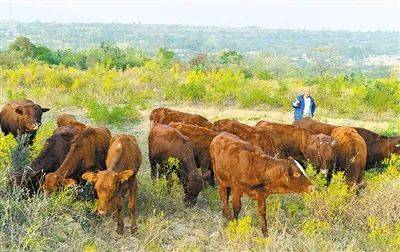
(196, 183)
(28, 124)
(32, 114)
(107, 184)
(321, 151)
(65, 119)
(53, 181)
(293, 179)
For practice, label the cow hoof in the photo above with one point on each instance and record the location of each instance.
(134, 231)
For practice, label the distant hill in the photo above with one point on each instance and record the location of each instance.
(187, 40)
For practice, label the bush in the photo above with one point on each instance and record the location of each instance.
(117, 115)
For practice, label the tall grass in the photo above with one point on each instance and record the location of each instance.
(134, 87)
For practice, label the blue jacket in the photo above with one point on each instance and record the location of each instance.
(299, 109)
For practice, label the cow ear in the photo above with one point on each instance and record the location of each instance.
(90, 176)
(125, 175)
(45, 109)
(68, 182)
(18, 110)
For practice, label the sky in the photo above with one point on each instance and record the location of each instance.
(310, 15)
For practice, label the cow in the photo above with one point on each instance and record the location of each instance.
(165, 142)
(50, 158)
(242, 168)
(123, 162)
(303, 144)
(88, 152)
(166, 115)
(200, 138)
(352, 154)
(19, 117)
(378, 147)
(65, 119)
(268, 141)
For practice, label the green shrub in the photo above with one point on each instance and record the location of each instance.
(117, 115)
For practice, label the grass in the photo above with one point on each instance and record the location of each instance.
(332, 218)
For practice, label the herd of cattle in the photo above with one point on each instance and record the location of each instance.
(234, 157)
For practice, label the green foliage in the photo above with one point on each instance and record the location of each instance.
(117, 115)
(44, 132)
(230, 57)
(7, 145)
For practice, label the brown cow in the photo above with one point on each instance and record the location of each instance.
(65, 119)
(166, 142)
(242, 168)
(303, 144)
(265, 139)
(123, 162)
(378, 147)
(166, 115)
(200, 138)
(21, 117)
(51, 157)
(87, 153)
(352, 154)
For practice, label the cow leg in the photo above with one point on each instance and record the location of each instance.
(153, 165)
(236, 202)
(132, 205)
(224, 195)
(118, 217)
(261, 208)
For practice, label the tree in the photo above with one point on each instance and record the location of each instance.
(324, 60)
(230, 57)
(165, 57)
(23, 46)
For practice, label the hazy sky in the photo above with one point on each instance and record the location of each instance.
(347, 15)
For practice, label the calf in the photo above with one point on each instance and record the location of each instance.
(166, 115)
(166, 142)
(242, 168)
(87, 153)
(303, 144)
(268, 141)
(378, 147)
(20, 117)
(352, 154)
(53, 154)
(123, 161)
(200, 138)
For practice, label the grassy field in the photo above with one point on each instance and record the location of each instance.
(331, 219)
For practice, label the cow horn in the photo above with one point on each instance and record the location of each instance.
(334, 142)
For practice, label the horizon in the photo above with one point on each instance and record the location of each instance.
(272, 15)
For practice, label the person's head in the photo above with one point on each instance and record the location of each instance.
(307, 92)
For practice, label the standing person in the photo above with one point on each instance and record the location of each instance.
(304, 106)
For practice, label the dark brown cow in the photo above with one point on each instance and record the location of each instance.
(242, 168)
(88, 152)
(378, 147)
(352, 154)
(166, 142)
(166, 115)
(51, 157)
(268, 141)
(303, 144)
(21, 117)
(123, 162)
(200, 138)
